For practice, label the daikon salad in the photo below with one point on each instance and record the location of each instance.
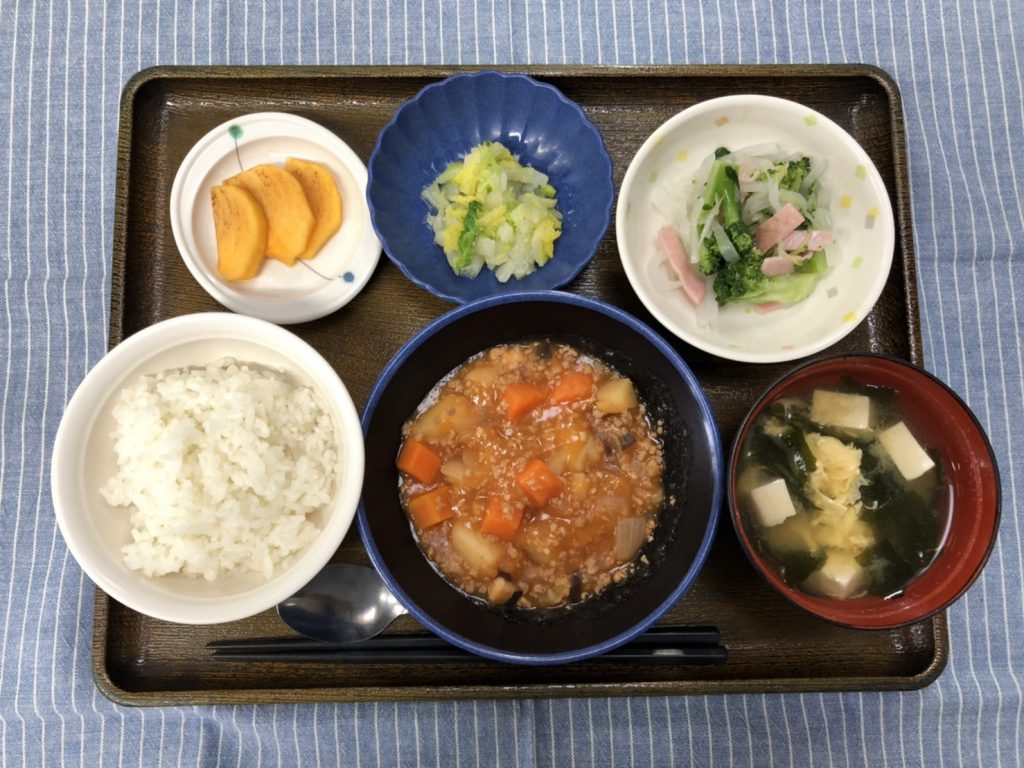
(488, 210)
(751, 226)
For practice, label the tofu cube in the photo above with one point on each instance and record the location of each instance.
(772, 503)
(906, 453)
(840, 577)
(841, 410)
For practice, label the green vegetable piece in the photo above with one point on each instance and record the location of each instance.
(740, 279)
(796, 172)
(469, 235)
(546, 190)
(710, 259)
(815, 265)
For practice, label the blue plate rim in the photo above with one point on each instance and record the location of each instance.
(717, 477)
(486, 73)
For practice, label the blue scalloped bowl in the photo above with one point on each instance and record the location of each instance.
(441, 124)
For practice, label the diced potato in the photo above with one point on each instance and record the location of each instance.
(575, 456)
(501, 591)
(454, 471)
(840, 577)
(481, 374)
(540, 538)
(480, 553)
(451, 414)
(904, 450)
(616, 396)
(772, 503)
(837, 409)
(579, 484)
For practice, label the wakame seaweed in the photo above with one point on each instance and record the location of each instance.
(900, 516)
(797, 566)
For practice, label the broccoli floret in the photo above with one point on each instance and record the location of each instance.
(737, 280)
(723, 187)
(796, 172)
(790, 174)
(740, 237)
(710, 260)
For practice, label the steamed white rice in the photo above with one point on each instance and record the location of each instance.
(220, 466)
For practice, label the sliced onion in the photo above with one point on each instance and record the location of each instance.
(818, 166)
(753, 205)
(712, 217)
(707, 310)
(773, 194)
(769, 150)
(630, 535)
(798, 200)
(725, 246)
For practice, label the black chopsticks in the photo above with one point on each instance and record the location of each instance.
(692, 645)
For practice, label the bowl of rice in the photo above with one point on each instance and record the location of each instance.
(207, 468)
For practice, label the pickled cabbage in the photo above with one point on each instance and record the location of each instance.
(488, 210)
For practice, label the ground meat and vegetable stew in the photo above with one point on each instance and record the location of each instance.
(532, 475)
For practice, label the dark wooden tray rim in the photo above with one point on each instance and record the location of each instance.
(119, 632)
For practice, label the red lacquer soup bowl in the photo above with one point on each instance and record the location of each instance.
(945, 427)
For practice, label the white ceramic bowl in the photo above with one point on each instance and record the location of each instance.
(83, 460)
(278, 293)
(863, 222)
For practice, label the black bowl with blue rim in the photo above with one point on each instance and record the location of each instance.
(440, 125)
(693, 479)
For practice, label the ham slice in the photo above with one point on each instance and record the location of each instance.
(819, 240)
(771, 232)
(693, 286)
(813, 239)
(774, 266)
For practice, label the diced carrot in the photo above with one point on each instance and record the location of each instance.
(538, 482)
(418, 461)
(572, 386)
(430, 508)
(501, 519)
(521, 398)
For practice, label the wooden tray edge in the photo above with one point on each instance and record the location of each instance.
(142, 78)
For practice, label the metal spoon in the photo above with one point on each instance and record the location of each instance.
(344, 603)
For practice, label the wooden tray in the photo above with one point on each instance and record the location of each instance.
(773, 646)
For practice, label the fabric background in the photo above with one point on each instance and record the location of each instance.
(62, 67)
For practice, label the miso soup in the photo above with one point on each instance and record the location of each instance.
(842, 493)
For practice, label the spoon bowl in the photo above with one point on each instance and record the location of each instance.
(343, 604)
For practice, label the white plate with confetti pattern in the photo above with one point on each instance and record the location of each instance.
(859, 260)
(280, 294)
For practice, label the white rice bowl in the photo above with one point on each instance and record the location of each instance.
(220, 466)
(267, 487)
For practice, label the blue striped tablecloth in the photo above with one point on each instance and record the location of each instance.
(62, 67)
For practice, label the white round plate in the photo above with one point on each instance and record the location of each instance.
(278, 293)
(862, 214)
